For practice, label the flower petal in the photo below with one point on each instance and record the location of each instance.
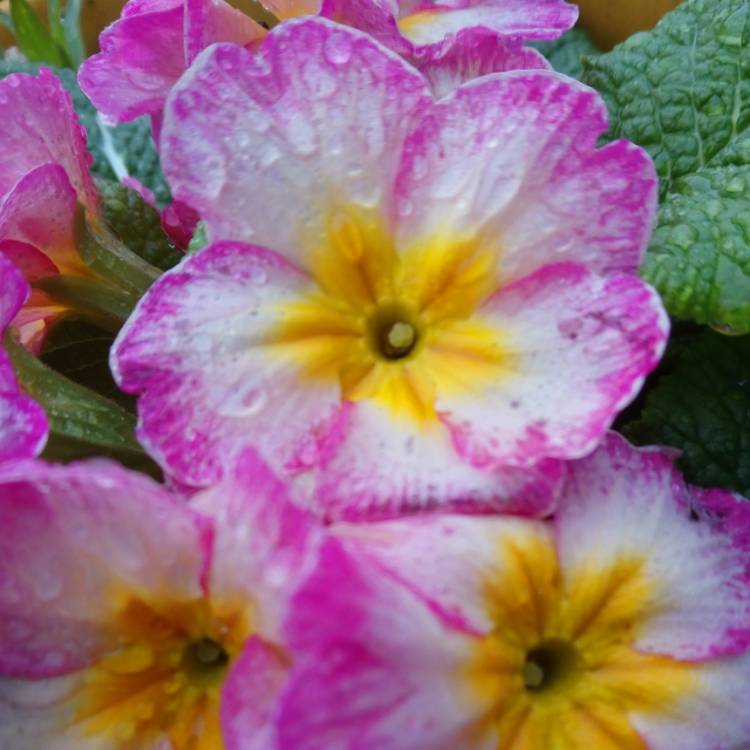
(36, 714)
(373, 665)
(448, 559)
(581, 346)
(23, 423)
(628, 503)
(312, 123)
(378, 18)
(212, 21)
(41, 127)
(263, 546)
(40, 210)
(712, 715)
(510, 161)
(530, 19)
(249, 697)
(386, 466)
(141, 59)
(196, 350)
(473, 53)
(76, 540)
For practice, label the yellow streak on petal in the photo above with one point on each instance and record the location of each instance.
(426, 296)
(599, 612)
(412, 25)
(144, 689)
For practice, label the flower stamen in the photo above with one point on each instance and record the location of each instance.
(549, 665)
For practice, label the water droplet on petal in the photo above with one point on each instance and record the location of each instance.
(338, 48)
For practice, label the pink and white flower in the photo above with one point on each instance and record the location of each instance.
(624, 624)
(44, 176)
(130, 620)
(438, 301)
(154, 42)
(23, 423)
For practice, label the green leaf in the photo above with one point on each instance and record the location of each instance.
(134, 142)
(702, 407)
(71, 23)
(129, 145)
(137, 224)
(54, 20)
(81, 422)
(100, 302)
(80, 352)
(683, 92)
(110, 259)
(33, 39)
(566, 54)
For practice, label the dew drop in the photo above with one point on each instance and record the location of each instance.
(48, 585)
(338, 48)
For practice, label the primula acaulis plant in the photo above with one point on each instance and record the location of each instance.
(374, 376)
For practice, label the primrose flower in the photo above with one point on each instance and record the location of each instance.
(439, 300)
(23, 423)
(44, 175)
(154, 42)
(131, 620)
(623, 624)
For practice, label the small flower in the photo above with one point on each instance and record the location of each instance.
(625, 623)
(152, 44)
(412, 26)
(23, 423)
(44, 175)
(146, 51)
(131, 620)
(447, 302)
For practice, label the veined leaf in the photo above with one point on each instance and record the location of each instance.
(33, 39)
(682, 91)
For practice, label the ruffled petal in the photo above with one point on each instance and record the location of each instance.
(41, 127)
(473, 53)
(510, 163)
(211, 382)
(623, 503)
(374, 666)
(263, 545)
(249, 697)
(711, 716)
(385, 466)
(268, 146)
(579, 348)
(40, 210)
(142, 58)
(212, 21)
(23, 423)
(78, 542)
(429, 22)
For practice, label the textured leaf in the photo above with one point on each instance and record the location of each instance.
(80, 351)
(71, 23)
(138, 225)
(566, 53)
(702, 407)
(32, 38)
(683, 92)
(93, 424)
(119, 151)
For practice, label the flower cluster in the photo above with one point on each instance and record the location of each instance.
(393, 515)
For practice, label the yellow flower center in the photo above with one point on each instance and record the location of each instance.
(396, 327)
(561, 670)
(163, 679)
